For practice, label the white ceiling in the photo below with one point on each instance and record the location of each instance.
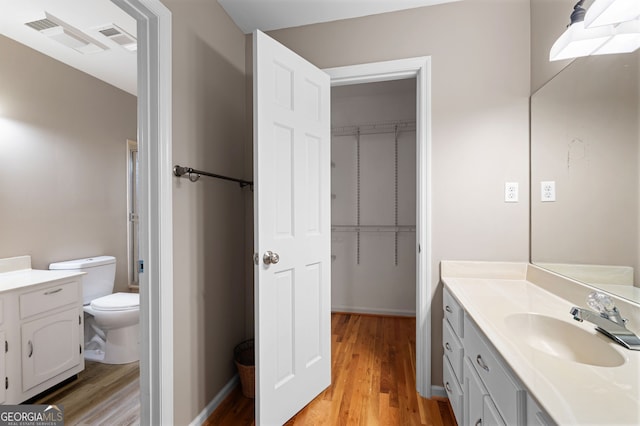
(116, 65)
(268, 15)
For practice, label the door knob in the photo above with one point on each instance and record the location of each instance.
(270, 257)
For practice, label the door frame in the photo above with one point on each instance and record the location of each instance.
(420, 69)
(156, 204)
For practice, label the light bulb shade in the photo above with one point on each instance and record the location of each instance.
(626, 39)
(579, 41)
(611, 12)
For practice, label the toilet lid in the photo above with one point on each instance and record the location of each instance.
(116, 302)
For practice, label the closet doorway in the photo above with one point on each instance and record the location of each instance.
(400, 239)
(373, 198)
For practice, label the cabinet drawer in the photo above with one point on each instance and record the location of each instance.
(452, 349)
(490, 414)
(453, 312)
(454, 391)
(46, 299)
(507, 395)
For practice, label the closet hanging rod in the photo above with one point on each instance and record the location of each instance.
(194, 175)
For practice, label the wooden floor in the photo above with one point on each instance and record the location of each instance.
(103, 394)
(373, 381)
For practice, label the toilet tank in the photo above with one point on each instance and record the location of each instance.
(100, 277)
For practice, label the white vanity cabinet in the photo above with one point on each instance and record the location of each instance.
(51, 331)
(452, 332)
(3, 347)
(503, 399)
(482, 389)
(50, 319)
(41, 328)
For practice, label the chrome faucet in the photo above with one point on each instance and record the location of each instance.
(607, 320)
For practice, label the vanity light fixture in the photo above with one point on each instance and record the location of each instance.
(626, 39)
(611, 12)
(579, 40)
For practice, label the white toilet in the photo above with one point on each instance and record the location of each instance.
(111, 319)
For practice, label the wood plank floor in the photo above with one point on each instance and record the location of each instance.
(373, 381)
(103, 394)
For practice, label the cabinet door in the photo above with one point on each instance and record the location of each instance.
(3, 370)
(50, 346)
(474, 393)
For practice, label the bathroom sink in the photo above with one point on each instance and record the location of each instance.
(563, 340)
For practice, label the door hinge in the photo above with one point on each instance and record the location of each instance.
(79, 320)
(80, 348)
(6, 383)
(140, 266)
(6, 346)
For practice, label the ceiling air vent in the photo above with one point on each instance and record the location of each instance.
(42, 24)
(120, 37)
(58, 30)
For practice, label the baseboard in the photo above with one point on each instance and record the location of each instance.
(372, 311)
(438, 391)
(215, 402)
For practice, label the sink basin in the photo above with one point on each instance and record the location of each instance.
(563, 340)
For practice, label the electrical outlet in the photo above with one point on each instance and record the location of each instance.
(547, 191)
(511, 192)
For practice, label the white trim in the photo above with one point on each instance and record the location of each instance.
(420, 69)
(156, 205)
(438, 391)
(372, 311)
(216, 401)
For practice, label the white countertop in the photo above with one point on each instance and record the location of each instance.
(27, 277)
(570, 392)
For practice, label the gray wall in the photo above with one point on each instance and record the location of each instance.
(209, 234)
(480, 52)
(63, 156)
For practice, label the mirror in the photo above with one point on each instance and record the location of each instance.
(585, 141)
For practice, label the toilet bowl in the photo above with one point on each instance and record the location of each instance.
(113, 334)
(111, 319)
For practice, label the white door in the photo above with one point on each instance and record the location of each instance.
(293, 221)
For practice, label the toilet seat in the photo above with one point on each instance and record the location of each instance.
(117, 302)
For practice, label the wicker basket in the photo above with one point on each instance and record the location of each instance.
(244, 356)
